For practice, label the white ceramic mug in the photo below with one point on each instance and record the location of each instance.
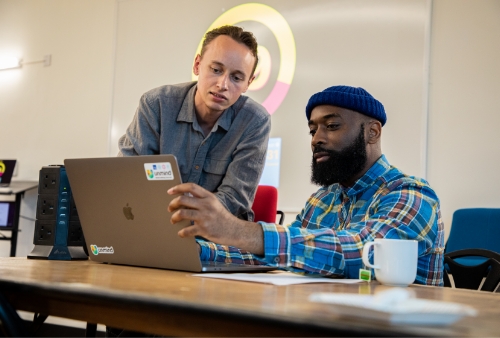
(395, 260)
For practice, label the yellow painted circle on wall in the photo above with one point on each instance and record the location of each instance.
(272, 19)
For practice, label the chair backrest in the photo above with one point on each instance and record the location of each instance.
(471, 277)
(265, 204)
(477, 228)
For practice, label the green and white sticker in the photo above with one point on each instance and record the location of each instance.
(96, 250)
(158, 171)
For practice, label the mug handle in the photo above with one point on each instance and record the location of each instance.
(366, 249)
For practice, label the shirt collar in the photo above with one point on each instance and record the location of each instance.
(378, 169)
(188, 112)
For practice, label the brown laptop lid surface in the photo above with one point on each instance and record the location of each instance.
(122, 204)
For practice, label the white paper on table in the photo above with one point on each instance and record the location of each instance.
(396, 306)
(277, 278)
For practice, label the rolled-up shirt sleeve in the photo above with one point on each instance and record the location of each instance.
(409, 211)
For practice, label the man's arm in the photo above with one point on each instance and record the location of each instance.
(211, 220)
(409, 211)
(237, 189)
(142, 135)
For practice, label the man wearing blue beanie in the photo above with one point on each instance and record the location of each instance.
(362, 197)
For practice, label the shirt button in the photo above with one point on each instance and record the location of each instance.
(197, 167)
(276, 259)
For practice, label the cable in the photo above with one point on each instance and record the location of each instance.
(28, 218)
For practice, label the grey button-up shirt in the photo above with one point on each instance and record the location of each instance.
(229, 161)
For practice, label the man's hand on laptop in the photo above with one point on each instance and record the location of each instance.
(211, 220)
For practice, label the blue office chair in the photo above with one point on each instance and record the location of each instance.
(475, 228)
(484, 276)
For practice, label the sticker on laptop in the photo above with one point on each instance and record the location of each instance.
(158, 171)
(101, 249)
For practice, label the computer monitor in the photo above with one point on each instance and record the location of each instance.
(7, 210)
(271, 173)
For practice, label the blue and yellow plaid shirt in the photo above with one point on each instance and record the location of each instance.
(327, 237)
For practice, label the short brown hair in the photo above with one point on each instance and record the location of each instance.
(238, 35)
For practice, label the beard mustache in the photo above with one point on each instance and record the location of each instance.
(342, 165)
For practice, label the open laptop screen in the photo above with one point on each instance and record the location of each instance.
(6, 171)
(7, 215)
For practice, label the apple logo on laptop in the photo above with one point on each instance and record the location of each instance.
(127, 211)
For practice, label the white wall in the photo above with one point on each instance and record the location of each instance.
(51, 113)
(464, 106)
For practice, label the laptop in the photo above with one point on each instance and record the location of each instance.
(6, 171)
(122, 204)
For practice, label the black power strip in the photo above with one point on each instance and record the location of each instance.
(58, 234)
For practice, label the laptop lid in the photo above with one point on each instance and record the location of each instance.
(122, 204)
(6, 171)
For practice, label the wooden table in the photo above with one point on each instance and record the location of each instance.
(175, 303)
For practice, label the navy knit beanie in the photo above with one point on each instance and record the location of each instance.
(352, 98)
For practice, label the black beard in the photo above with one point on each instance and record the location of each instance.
(342, 165)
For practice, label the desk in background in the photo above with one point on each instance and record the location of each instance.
(15, 190)
(174, 303)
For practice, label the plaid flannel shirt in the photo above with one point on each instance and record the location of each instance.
(327, 237)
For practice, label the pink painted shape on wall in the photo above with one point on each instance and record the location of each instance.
(276, 97)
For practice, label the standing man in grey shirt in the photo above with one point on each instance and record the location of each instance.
(218, 136)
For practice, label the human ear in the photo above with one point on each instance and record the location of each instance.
(196, 65)
(374, 131)
(249, 83)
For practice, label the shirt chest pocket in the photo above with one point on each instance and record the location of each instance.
(213, 173)
(216, 167)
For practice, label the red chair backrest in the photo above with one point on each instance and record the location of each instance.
(265, 204)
